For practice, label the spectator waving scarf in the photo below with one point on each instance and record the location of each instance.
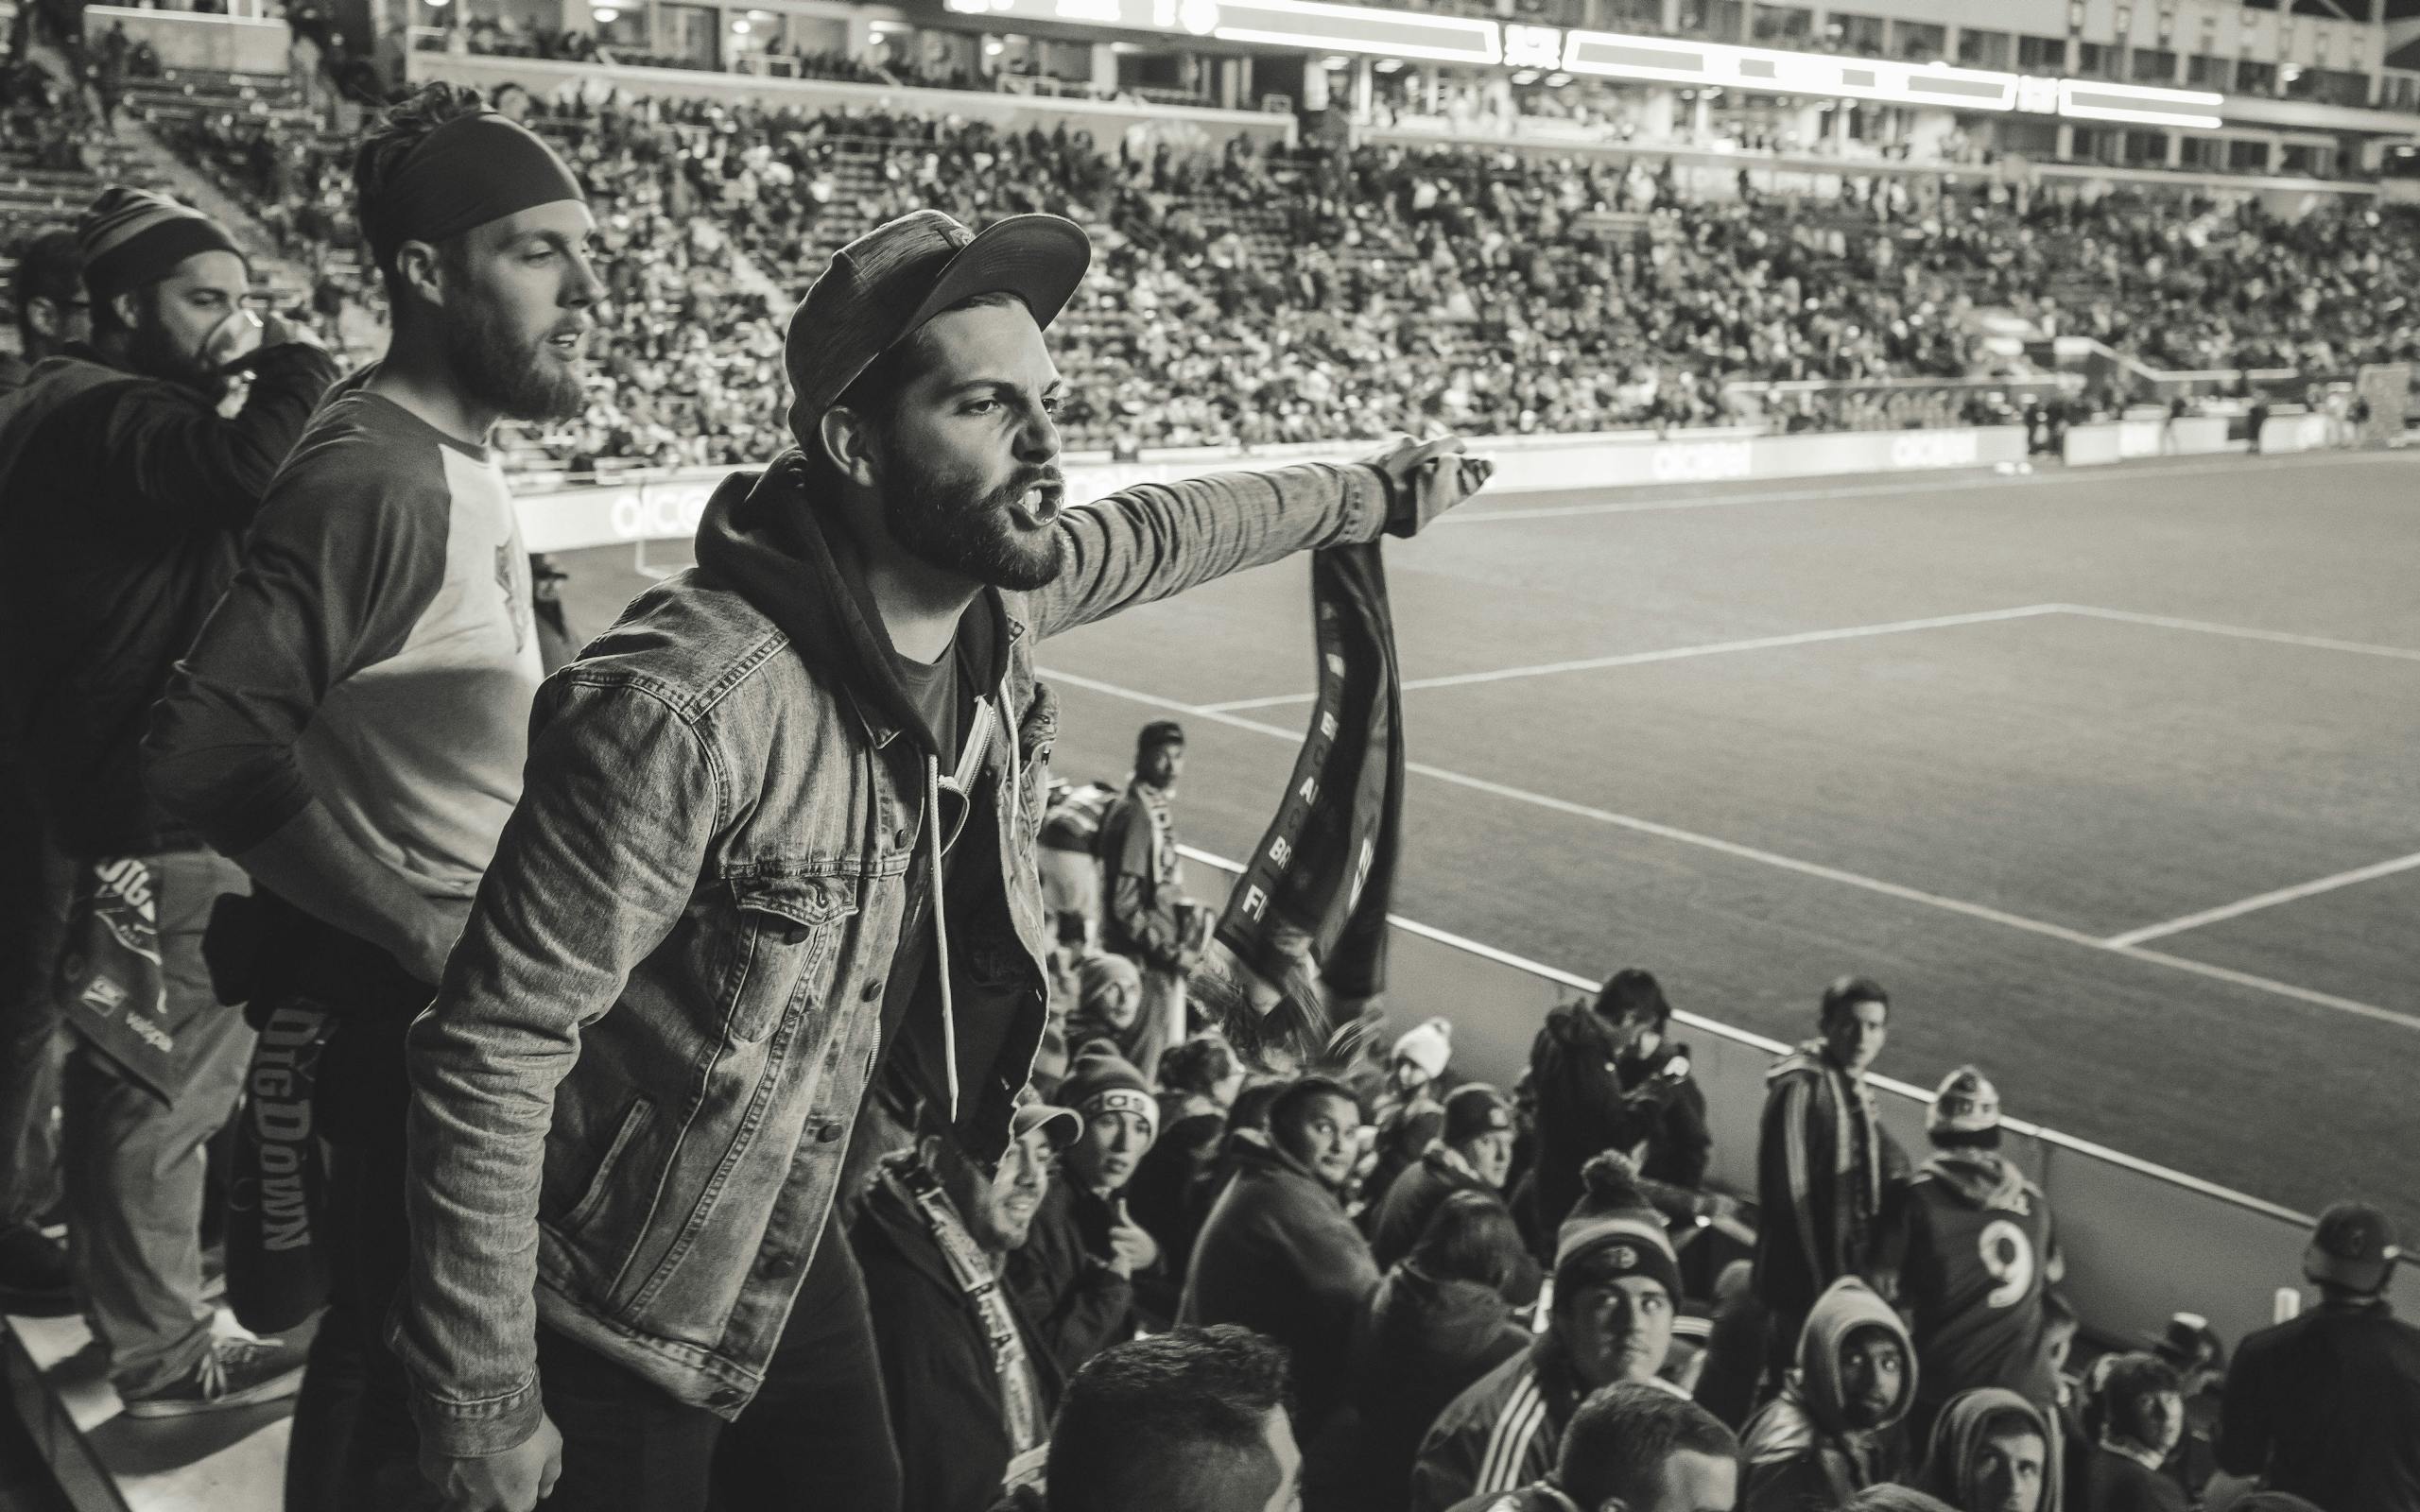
(1306, 922)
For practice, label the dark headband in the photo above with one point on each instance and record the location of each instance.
(468, 172)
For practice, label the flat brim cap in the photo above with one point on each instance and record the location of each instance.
(880, 288)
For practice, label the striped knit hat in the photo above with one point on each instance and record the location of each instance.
(1612, 1232)
(129, 238)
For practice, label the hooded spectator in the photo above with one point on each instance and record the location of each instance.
(969, 1385)
(2139, 1417)
(1076, 1271)
(1823, 1161)
(1473, 1153)
(1837, 1426)
(1440, 1319)
(1970, 1245)
(1109, 1007)
(1992, 1450)
(1636, 1449)
(1278, 1253)
(1616, 1290)
(1607, 1078)
(1189, 1421)
(2326, 1407)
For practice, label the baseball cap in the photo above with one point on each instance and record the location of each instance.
(1062, 1124)
(1474, 1110)
(878, 289)
(1159, 733)
(2188, 1343)
(2352, 1246)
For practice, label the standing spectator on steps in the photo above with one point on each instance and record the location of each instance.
(1145, 917)
(1608, 1077)
(127, 497)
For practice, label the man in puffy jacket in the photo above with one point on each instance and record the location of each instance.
(1617, 1292)
(1278, 1254)
(1837, 1427)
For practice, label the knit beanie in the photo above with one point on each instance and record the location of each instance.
(1103, 1082)
(1103, 974)
(1965, 1103)
(1612, 1232)
(1429, 1047)
(131, 238)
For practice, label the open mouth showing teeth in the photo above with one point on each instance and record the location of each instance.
(1038, 505)
(568, 345)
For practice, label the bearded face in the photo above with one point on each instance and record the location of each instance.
(942, 514)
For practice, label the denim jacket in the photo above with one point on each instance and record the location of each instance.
(633, 1092)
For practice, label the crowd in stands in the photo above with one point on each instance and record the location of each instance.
(969, 1202)
(1253, 298)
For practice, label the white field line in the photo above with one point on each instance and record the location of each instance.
(1948, 478)
(2240, 632)
(1792, 864)
(1678, 653)
(2267, 900)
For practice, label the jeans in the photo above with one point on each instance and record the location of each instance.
(816, 1438)
(133, 1162)
(36, 882)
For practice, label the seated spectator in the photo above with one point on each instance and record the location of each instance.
(1992, 1450)
(1278, 1253)
(2139, 1417)
(1617, 1290)
(1075, 1273)
(969, 1385)
(1968, 1244)
(1188, 1422)
(1837, 1427)
(1411, 1110)
(1472, 1152)
(1892, 1497)
(1636, 1449)
(2326, 1407)
(1607, 1079)
(1442, 1318)
(1109, 1005)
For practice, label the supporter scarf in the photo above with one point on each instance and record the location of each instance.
(1307, 923)
(1021, 1413)
(470, 171)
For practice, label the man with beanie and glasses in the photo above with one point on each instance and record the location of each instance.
(1971, 1243)
(1145, 914)
(776, 837)
(128, 495)
(350, 726)
(2326, 1407)
(1616, 1290)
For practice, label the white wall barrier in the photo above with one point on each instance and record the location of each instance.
(2123, 441)
(2142, 1242)
(565, 519)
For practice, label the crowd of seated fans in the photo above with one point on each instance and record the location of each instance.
(1256, 296)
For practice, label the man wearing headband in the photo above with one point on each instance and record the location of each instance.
(778, 834)
(127, 497)
(350, 727)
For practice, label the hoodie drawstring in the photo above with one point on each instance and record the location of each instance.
(941, 928)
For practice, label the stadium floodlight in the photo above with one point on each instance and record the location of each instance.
(606, 15)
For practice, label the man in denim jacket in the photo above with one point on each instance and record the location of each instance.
(778, 824)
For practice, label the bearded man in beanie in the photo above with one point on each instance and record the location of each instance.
(128, 498)
(2326, 1407)
(350, 726)
(1616, 1290)
(1971, 1245)
(1145, 916)
(1076, 1269)
(776, 837)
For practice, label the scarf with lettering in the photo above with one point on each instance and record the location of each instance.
(1021, 1410)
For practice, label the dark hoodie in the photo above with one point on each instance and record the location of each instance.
(1800, 1452)
(1591, 1100)
(1279, 1256)
(937, 1368)
(1422, 1342)
(762, 537)
(1958, 1437)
